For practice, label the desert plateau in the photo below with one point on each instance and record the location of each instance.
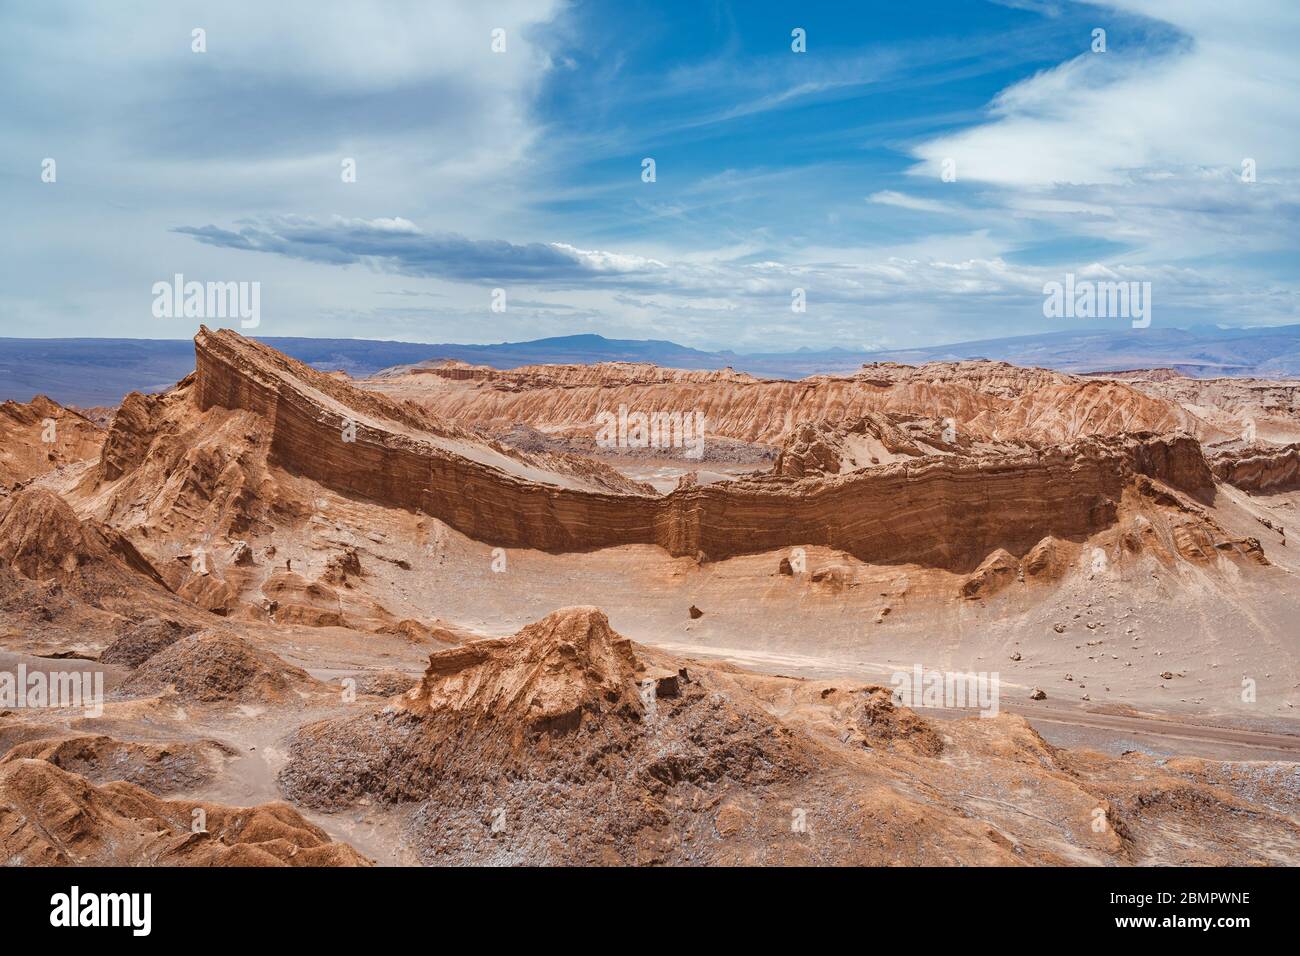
(424, 617)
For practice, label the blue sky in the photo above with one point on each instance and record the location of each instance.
(522, 169)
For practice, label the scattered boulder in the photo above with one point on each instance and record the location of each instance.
(836, 575)
(667, 683)
(1046, 559)
(995, 572)
(343, 566)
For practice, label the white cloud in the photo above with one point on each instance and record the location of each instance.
(601, 261)
(1231, 91)
(1125, 147)
(888, 197)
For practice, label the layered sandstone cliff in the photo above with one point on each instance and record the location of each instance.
(942, 510)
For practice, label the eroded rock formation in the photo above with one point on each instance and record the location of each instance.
(988, 399)
(568, 744)
(41, 435)
(42, 538)
(1259, 468)
(50, 817)
(944, 510)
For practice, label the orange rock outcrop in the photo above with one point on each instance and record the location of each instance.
(942, 510)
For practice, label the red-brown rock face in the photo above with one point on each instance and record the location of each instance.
(989, 399)
(56, 818)
(946, 510)
(1259, 468)
(43, 539)
(129, 438)
(41, 435)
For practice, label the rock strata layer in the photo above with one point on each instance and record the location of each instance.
(947, 510)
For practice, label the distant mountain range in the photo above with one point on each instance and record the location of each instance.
(89, 372)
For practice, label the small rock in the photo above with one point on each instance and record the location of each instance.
(1038, 694)
(731, 819)
(696, 612)
(667, 683)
